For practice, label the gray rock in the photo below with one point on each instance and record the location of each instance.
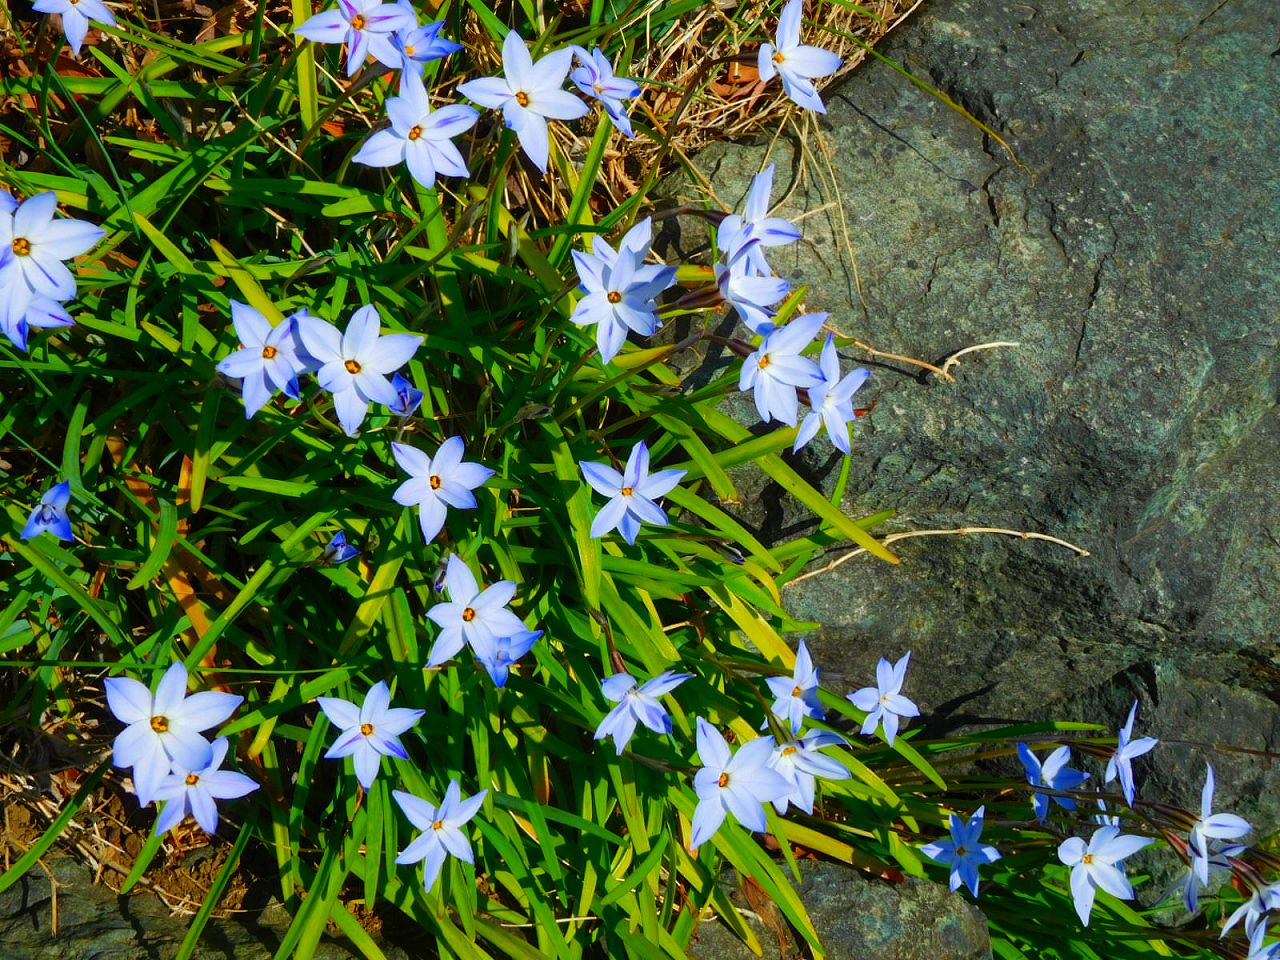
(1135, 259)
(94, 923)
(859, 919)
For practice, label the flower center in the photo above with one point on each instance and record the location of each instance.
(961, 851)
(22, 246)
(192, 779)
(627, 491)
(160, 724)
(597, 88)
(269, 352)
(437, 824)
(409, 50)
(788, 751)
(353, 366)
(357, 23)
(522, 98)
(48, 514)
(366, 729)
(763, 361)
(613, 296)
(778, 57)
(796, 691)
(434, 481)
(468, 615)
(723, 781)
(414, 133)
(1087, 859)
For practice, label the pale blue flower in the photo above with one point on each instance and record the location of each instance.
(1105, 818)
(1054, 774)
(1259, 949)
(50, 516)
(21, 308)
(268, 360)
(76, 15)
(1098, 865)
(471, 617)
(753, 296)
(801, 764)
(499, 654)
(528, 94)
(1127, 751)
(636, 704)
(965, 851)
(796, 63)
(596, 79)
(354, 365)
(1263, 898)
(437, 483)
(1211, 826)
(338, 551)
(419, 137)
(368, 732)
(195, 791)
(40, 243)
(410, 397)
(633, 493)
(777, 369)
(831, 401)
(884, 703)
(441, 829)
(1189, 885)
(365, 26)
(737, 783)
(796, 697)
(736, 231)
(620, 289)
(163, 730)
(422, 45)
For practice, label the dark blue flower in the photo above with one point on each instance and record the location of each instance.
(51, 515)
(338, 551)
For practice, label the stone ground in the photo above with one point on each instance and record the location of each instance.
(1134, 256)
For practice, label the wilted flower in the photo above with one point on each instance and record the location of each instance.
(1126, 752)
(354, 365)
(776, 369)
(369, 732)
(884, 703)
(636, 704)
(441, 829)
(633, 493)
(472, 616)
(437, 483)
(164, 729)
(796, 63)
(194, 791)
(831, 401)
(596, 79)
(419, 137)
(76, 15)
(736, 783)
(1099, 865)
(620, 289)
(528, 94)
(965, 851)
(51, 514)
(269, 359)
(796, 697)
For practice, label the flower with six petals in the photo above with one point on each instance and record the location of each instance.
(437, 483)
(194, 791)
(633, 493)
(964, 851)
(471, 617)
(441, 829)
(795, 62)
(737, 783)
(368, 732)
(1098, 865)
(884, 703)
(636, 704)
(419, 137)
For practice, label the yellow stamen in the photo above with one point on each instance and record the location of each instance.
(357, 22)
(437, 824)
(788, 751)
(522, 98)
(22, 246)
(434, 481)
(352, 366)
(269, 352)
(192, 779)
(613, 296)
(627, 491)
(468, 615)
(366, 729)
(414, 133)
(723, 781)
(778, 57)
(160, 724)
(763, 361)
(797, 692)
